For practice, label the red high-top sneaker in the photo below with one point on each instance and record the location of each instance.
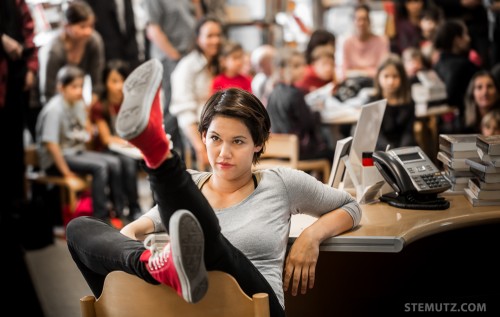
(179, 263)
(140, 119)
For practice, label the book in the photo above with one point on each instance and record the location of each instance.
(458, 180)
(458, 142)
(482, 166)
(484, 186)
(459, 154)
(448, 171)
(475, 188)
(489, 144)
(486, 177)
(456, 164)
(492, 159)
(476, 202)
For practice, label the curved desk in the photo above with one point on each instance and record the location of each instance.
(384, 228)
(398, 257)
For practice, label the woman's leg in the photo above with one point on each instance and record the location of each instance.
(98, 249)
(140, 122)
(79, 163)
(129, 176)
(174, 189)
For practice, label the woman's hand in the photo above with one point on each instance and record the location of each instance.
(300, 264)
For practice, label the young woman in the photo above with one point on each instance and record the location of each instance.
(481, 97)
(237, 221)
(391, 83)
(455, 69)
(103, 115)
(191, 83)
(77, 44)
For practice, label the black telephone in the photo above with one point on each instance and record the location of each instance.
(415, 179)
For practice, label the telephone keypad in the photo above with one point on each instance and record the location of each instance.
(431, 180)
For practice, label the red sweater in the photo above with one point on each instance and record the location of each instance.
(222, 82)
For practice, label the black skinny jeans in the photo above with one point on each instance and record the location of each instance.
(99, 249)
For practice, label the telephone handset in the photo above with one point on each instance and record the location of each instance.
(415, 179)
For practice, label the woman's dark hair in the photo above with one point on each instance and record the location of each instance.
(78, 11)
(238, 104)
(471, 109)
(67, 74)
(319, 37)
(120, 66)
(446, 34)
(433, 13)
(214, 63)
(403, 92)
(401, 11)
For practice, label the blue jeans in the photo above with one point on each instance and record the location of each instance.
(98, 248)
(106, 173)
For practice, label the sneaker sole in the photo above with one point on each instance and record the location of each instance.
(187, 243)
(139, 91)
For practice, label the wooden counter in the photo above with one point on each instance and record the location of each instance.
(384, 228)
(400, 257)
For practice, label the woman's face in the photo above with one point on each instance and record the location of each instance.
(230, 147)
(462, 43)
(114, 84)
(210, 38)
(485, 92)
(414, 7)
(82, 30)
(389, 80)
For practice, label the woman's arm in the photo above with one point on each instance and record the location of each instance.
(138, 229)
(55, 150)
(300, 264)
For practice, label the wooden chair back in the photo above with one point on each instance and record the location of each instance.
(283, 150)
(126, 295)
(69, 187)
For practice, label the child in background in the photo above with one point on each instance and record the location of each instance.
(490, 124)
(321, 71)
(63, 131)
(429, 22)
(232, 64)
(413, 61)
(103, 115)
(289, 112)
(391, 83)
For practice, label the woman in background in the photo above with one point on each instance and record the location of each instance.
(192, 84)
(391, 83)
(455, 69)
(482, 96)
(103, 115)
(77, 44)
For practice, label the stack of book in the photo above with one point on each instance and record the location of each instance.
(454, 149)
(484, 188)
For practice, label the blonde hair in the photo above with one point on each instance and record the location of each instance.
(491, 117)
